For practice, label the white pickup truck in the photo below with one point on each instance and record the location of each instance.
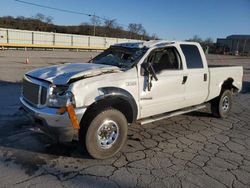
(131, 82)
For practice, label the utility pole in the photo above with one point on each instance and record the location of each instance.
(95, 21)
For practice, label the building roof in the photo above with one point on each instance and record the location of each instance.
(245, 37)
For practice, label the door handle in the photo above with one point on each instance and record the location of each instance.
(205, 77)
(184, 79)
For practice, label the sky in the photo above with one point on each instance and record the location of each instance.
(168, 19)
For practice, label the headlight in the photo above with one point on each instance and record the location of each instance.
(59, 96)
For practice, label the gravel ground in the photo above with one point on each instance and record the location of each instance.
(192, 150)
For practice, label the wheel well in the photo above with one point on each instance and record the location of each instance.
(110, 102)
(228, 85)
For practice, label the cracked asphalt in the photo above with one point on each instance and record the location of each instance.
(191, 150)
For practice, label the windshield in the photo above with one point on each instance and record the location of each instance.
(120, 56)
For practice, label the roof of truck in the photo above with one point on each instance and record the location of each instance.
(150, 44)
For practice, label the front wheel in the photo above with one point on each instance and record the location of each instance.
(105, 135)
(222, 105)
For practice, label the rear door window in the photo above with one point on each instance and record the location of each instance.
(192, 55)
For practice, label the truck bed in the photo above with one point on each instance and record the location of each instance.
(218, 74)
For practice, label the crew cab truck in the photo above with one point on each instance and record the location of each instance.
(140, 82)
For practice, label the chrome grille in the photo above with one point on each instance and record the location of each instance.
(43, 95)
(34, 93)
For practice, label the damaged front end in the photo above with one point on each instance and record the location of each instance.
(48, 98)
(52, 108)
(59, 97)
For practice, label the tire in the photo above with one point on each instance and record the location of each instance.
(103, 142)
(222, 105)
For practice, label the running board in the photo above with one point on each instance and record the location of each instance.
(170, 114)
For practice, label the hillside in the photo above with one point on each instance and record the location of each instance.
(109, 29)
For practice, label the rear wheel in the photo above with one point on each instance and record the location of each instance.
(105, 135)
(222, 105)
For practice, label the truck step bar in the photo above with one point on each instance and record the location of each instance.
(170, 114)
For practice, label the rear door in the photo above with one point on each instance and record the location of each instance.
(196, 90)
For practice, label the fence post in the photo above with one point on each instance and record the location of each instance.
(54, 39)
(72, 40)
(7, 35)
(32, 37)
(88, 41)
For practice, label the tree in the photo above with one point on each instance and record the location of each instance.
(208, 41)
(110, 26)
(206, 44)
(40, 22)
(195, 38)
(144, 34)
(110, 23)
(21, 17)
(136, 30)
(49, 19)
(39, 16)
(154, 36)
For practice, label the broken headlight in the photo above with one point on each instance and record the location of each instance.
(59, 96)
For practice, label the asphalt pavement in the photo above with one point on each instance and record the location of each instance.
(191, 150)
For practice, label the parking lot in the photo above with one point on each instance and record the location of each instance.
(191, 150)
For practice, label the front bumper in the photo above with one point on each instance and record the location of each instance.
(57, 126)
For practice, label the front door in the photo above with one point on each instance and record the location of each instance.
(168, 93)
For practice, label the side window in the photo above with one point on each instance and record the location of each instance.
(192, 55)
(165, 59)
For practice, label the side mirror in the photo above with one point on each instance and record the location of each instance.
(144, 69)
(148, 69)
(152, 71)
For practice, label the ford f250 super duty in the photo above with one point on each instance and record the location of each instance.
(139, 82)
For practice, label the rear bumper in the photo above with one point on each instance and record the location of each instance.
(57, 126)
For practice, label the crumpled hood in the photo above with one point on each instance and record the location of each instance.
(62, 74)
